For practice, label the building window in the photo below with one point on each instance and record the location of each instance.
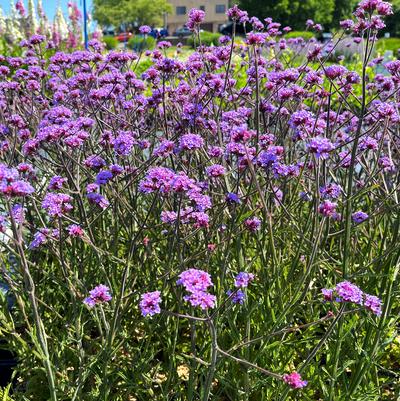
(203, 8)
(220, 8)
(180, 10)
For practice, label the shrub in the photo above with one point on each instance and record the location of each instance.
(306, 35)
(143, 66)
(207, 39)
(392, 44)
(110, 42)
(221, 227)
(140, 43)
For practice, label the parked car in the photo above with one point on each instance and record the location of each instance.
(183, 32)
(227, 29)
(154, 33)
(108, 31)
(124, 36)
(162, 32)
(326, 37)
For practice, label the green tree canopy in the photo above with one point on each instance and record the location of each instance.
(291, 12)
(141, 12)
(296, 12)
(393, 21)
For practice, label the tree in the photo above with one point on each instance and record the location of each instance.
(393, 21)
(343, 10)
(131, 12)
(292, 12)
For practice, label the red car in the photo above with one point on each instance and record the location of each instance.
(124, 36)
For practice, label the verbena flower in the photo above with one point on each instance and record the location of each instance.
(56, 183)
(195, 280)
(75, 230)
(191, 142)
(253, 224)
(233, 198)
(11, 185)
(294, 380)
(359, 217)
(103, 177)
(57, 204)
(328, 294)
(150, 303)
(348, 292)
(123, 143)
(144, 29)
(237, 297)
(328, 208)
(243, 279)
(100, 294)
(201, 298)
(330, 191)
(216, 170)
(196, 17)
(321, 147)
(373, 303)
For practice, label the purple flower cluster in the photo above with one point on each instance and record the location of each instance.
(191, 142)
(330, 191)
(252, 224)
(165, 181)
(100, 294)
(321, 147)
(75, 230)
(359, 217)
(197, 282)
(150, 303)
(237, 296)
(216, 170)
(348, 292)
(132, 157)
(196, 17)
(41, 236)
(242, 280)
(57, 204)
(11, 184)
(328, 209)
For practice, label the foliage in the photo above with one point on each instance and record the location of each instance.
(393, 21)
(293, 13)
(306, 35)
(140, 43)
(4, 394)
(206, 38)
(392, 44)
(137, 12)
(222, 227)
(110, 42)
(343, 9)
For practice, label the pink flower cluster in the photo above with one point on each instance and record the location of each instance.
(294, 380)
(197, 282)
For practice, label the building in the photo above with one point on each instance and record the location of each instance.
(215, 13)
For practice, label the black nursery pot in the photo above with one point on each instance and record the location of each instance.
(7, 363)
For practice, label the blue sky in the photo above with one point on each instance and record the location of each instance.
(48, 5)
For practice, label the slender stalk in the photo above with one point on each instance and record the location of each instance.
(31, 289)
(213, 361)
